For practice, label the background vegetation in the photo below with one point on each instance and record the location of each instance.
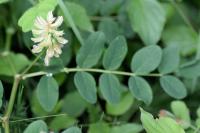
(123, 57)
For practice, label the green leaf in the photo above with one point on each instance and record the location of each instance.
(170, 59)
(11, 63)
(182, 36)
(122, 107)
(90, 53)
(1, 93)
(198, 112)
(161, 125)
(110, 28)
(146, 59)
(109, 86)
(173, 86)
(147, 18)
(190, 69)
(62, 122)
(140, 89)
(79, 15)
(86, 86)
(3, 1)
(110, 7)
(36, 127)
(181, 111)
(100, 127)
(127, 128)
(72, 130)
(76, 103)
(41, 9)
(47, 92)
(91, 7)
(115, 53)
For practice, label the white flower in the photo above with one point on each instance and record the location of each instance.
(46, 35)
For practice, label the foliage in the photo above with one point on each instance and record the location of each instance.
(122, 57)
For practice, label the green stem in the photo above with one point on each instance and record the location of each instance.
(36, 118)
(13, 95)
(6, 126)
(69, 18)
(17, 80)
(11, 103)
(68, 70)
(9, 32)
(31, 65)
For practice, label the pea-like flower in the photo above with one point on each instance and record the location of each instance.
(47, 36)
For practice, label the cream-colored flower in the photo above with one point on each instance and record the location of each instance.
(46, 35)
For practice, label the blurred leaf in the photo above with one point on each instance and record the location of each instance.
(36, 107)
(41, 9)
(115, 53)
(140, 89)
(190, 69)
(110, 6)
(170, 60)
(11, 63)
(66, 54)
(62, 122)
(1, 93)
(125, 25)
(86, 86)
(56, 64)
(198, 112)
(181, 111)
(110, 28)
(161, 125)
(79, 15)
(109, 86)
(147, 19)
(47, 92)
(92, 8)
(173, 86)
(127, 128)
(99, 127)
(36, 127)
(122, 107)
(198, 48)
(3, 1)
(90, 53)
(197, 122)
(72, 130)
(76, 103)
(182, 36)
(146, 59)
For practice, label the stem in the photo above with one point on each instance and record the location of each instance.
(6, 126)
(31, 65)
(13, 95)
(9, 32)
(17, 80)
(69, 18)
(36, 118)
(11, 103)
(68, 70)
(25, 76)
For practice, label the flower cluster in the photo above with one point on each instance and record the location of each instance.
(47, 36)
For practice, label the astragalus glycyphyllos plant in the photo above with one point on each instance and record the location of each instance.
(97, 65)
